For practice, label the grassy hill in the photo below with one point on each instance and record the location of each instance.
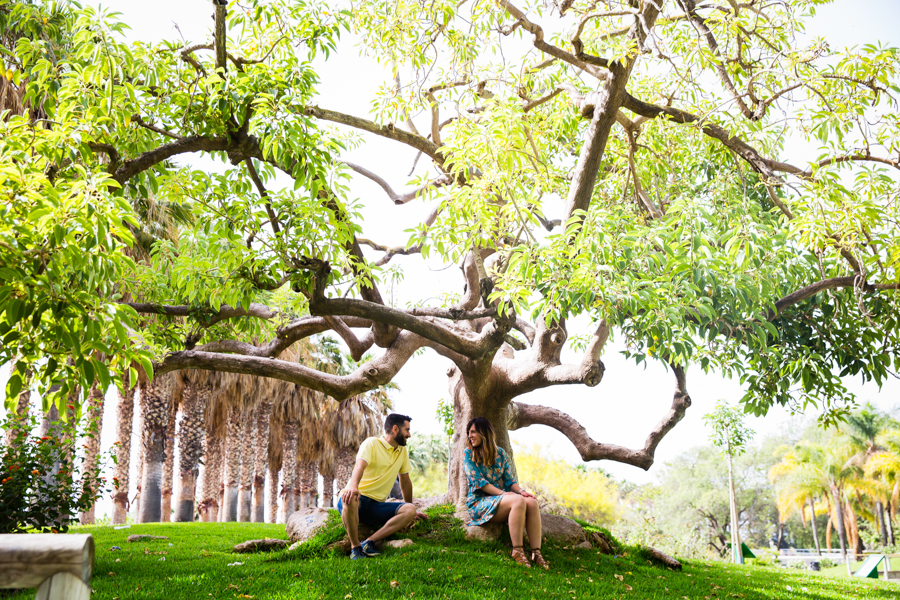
(196, 562)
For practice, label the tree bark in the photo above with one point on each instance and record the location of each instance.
(327, 490)
(257, 509)
(737, 555)
(190, 448)
(248, 464)
(155, 411)
(209, 502)
(812, 521)
(139, 424)
(92, 446)
(169, 465)
(122, 472)
(232, 465)
(839, 520)
(882, 525)
(288, 467)
(273, 495)
(305, 470)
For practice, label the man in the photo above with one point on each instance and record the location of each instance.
(378, 462)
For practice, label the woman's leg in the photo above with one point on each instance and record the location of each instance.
(533, 523)
(512, 509)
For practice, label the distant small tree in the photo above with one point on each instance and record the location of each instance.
(731, 435)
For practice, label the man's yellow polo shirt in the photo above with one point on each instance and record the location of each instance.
(384, 463)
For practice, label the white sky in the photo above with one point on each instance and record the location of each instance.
(630, 400)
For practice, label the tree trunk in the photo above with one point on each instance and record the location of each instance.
(248, 464)
(839, 520)
(169, 465)
(314, 485)
(473, 398)
(273, 495)
(890, 524)
(812, 522)
(344, 461)
(190, 448)
(155, 411)
(232, 465)
(327, 490)
(122, 472)
(92, 445)
(139, 424)
(828, 531)
(737, 556)
(288, 467)
(305, 471)
(261, 455)
(882, 525)
(209, 502)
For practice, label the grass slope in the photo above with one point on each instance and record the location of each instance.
(196, 563)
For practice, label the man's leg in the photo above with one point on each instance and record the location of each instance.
(405, 515)
(350, 517)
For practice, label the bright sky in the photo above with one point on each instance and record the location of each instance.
(630, 400)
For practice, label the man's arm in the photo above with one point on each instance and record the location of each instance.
(352, 489)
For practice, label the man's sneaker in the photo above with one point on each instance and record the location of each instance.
(357, 553)
(369, 549)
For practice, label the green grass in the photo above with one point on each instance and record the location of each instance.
(441, 564)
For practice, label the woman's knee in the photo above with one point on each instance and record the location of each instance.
(518, 502)
(531, 505)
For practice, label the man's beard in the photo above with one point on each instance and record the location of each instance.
(400, 439)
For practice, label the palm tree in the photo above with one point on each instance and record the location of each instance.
(155, 413)
(232, 457)
(825, 467)
(261, 454)
(863, 428)
(884, 466)
(92, 446)
(248, 461)
(191, 433)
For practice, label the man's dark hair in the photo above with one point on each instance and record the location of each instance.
(394, 419)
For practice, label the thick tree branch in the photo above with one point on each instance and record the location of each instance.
(148, 159)
(589, 63)
(523, 415)
(389, 131)
(260, 311)
(264, 194)
(358, 347)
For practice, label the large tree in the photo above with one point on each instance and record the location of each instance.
(631, 166)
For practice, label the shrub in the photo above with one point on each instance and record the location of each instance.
(39, 488)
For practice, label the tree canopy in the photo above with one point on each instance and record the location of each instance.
(627, 160)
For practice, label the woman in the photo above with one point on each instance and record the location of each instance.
(495, 496)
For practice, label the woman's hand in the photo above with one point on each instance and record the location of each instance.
(526, 494)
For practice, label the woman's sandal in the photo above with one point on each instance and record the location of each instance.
(518, 555)
(538, 559)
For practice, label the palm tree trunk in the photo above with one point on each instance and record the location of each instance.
(890, 524)
(839, 520)
(248, 464)
(344, 467)
(327, 491)
(92, 446)
(288, 467)
(314, 485)
(155, 410)
(273, 495)
(169, 465)
(121, 474)
(812, 522)
(304, 470)
(190, 448)
(257, 508)
(828, 531)
(139, 424)
(209, 503)
(232, 465)
(882, 525)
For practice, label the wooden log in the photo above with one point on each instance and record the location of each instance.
(64, 586)
(28, 559)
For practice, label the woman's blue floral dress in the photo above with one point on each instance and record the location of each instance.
(481, 505)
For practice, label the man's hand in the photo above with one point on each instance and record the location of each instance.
(350, 494)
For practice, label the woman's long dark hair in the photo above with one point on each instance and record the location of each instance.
(486, 452)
